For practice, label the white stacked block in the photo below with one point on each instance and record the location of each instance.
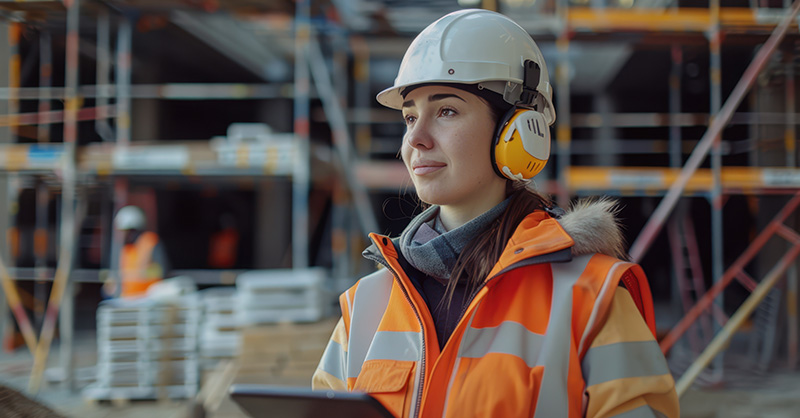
(220, 331)
(269, 296)
(146, 349)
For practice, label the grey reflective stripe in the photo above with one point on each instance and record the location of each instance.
(508, 338)
(644, 411)
(457, 363)
(395, 345)
(369, 305)
(332, 361)
(555, 351)
(349, 304)
(623, 360)
(608, 286)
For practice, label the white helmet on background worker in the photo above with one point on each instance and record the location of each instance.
(129, 217)
(476, 47)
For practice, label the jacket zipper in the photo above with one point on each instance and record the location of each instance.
(383, 262)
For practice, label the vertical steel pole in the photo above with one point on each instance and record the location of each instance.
(40, 252)
(563, 123)
(717, 250)
(791, 161)
(301, 174)
(340, 204)
(123, 71)
(5, 204)
(45, 84)
(101, 126)
(675, 154)
(363, 134)
(14, 78)
(66, 247)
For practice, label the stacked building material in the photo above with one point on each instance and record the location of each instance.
(283, 354)
(270, 296)
(146, 349)
(220, 331)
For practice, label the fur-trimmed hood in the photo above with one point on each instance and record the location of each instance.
(593, 225)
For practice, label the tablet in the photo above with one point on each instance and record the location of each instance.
(263, 401)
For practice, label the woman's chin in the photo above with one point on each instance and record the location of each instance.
(431, 198)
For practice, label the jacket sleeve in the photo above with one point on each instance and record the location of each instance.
(332, 368)
(625, 372)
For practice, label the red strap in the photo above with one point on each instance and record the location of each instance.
(630, 283)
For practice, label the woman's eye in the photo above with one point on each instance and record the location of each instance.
(409, 119)
(447, 112)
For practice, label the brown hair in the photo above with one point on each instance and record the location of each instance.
(482, 252)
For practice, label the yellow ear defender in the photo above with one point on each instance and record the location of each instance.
(522, 144)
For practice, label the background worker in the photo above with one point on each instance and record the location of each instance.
(223, 246)
(493, 303)
(142, 259)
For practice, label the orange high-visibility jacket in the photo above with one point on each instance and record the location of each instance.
(135, 265)
(539, 339)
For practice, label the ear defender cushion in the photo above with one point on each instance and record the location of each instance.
(522, 144)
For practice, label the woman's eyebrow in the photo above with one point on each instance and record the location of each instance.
(442, 96)
(435, 97)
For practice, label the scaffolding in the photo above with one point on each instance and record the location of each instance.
(325, 74)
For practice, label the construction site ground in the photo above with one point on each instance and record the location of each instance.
(741, 395)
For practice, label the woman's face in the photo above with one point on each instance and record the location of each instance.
(446, 149)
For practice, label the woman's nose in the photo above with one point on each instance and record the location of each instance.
(419, 135)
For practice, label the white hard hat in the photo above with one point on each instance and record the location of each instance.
(129, 217)
(474, 46)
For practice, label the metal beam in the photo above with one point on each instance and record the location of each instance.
(656, 221)
(341, 137)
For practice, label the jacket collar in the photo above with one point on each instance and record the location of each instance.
(537, 235)
(590, 226)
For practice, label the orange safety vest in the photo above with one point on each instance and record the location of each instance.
(134, 262)
(521, 339)
(222, 248)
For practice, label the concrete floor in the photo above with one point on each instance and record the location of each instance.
(745, 395)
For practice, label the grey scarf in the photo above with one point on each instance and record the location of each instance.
(433, 250)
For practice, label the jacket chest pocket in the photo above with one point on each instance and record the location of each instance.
(388, 381)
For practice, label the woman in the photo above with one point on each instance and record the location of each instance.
(489, 304)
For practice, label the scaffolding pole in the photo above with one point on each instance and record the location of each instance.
(660, 215)
(341, 138)
(67, 241)
(14, 68)
(40, 252)
(45, 85)
(123, 81)
(101, 126)
(9, 287)
(168, 91)
(302, 167)
(675, 153)
(791, 161)
(563, 127)
(717, 242)
(339, 200)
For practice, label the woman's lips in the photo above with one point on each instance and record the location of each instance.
(426, 167)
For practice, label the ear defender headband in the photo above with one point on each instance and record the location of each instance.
(521, 145)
